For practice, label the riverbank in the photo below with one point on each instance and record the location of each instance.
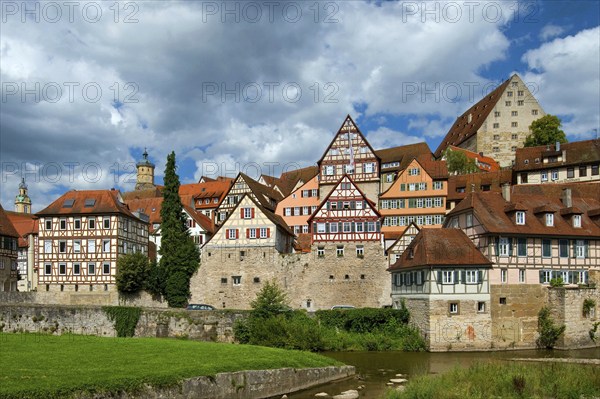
(506, 380)
(36, 365)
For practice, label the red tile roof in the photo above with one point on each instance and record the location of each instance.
(474, 182)
(440, 247)
(435, 169)
(485, 164)
(105, 202)
(25, 224)
(288, 180)
(6, 227)
(263, 194)
(152, 207)
(497, 215)
(148, 193)
(403, 154)
(303, 243)
(577, 153)
(462, 129)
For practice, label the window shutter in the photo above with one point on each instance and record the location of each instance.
(422, 277)
(585, 248)
(242, 213)
(573, 277)
(252, 213)
(463, 277)
(340, 205)
(340, 227)
(402, 187)
(247, 233)
(574, 244)
(510, 246)
(352, 204)
(479, 276)
(456, 276)
(439, 277)
(398, 280)
(327, 205)
(541, 276)
(352, 227)
(268, 232)
(326, 227)
(497, 246)
(237, 234)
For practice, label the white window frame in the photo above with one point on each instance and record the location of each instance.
(549, 219)
(369, 167)
(522, 275)
(91, 269)
(471, 277)
(321, 228)
(544, 175)
(247, 213)
(104, 265)
(47, 269)
(339, 250)
(63, 223)
(577, 221)
(263, 232)
(504, 276)
(504, 247)
(91, 246)
(360, 251)
(580, 249)
(252, 233)
(76, 269)
(287, 211)
(231, 234)
(333, 227)
(236, 280)
(346, 227)
(453, 308)
(104, 246)
(447, 276)
(554, 174)
(76, 246)
(520, 218)
(105, 221)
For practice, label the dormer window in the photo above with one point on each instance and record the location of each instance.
(576, 220)
(520, 217)
(549, 219)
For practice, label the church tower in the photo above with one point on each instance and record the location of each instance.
(145, 173)
(22, 201)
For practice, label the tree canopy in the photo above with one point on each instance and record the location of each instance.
(179, 254)
(132, 271)
(270, 301)
(458, 163)
(545, 131)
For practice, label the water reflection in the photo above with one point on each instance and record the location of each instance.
(376, 368)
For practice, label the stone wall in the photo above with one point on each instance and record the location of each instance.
(82, 298)
(567, 308)
(91, 320)
(311, 282)
(250, 384)
(514, 323)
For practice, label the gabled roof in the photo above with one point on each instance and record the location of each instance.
(581, 190)
(147, 193)
(437, 170)
(462, 130)
(355, 126)
(403, 154)
(371, 203)
(262, 192)
(440, 247)
(152, 207)
(577, 153)
(276, 219)
(6, 227)
(303, 242)
(485, 164)
(497, 215)
(412, 224)
(290, 180)
(200, 218)
(473, 182)
(25, 224)
(104, 202)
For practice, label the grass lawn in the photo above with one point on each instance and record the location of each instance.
(507, 380)
(34, 366)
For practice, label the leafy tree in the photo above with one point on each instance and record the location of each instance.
(270, 301)
(179, 255)
(155, 282)
(132, 270)
(545, 131)
(549, 333)
(457, 162)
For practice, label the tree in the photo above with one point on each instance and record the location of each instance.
(132, 270)
(545, 131)
(458, 162)
(549, 332)
(179, 254)
(270, 301)
(155, 282)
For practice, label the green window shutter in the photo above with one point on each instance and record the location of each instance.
(574, 245)
(585, 248)
(463, 278)
(326, 227)
(456, 276)
(439, 277)
(479, 276)
(402, 187)
(497, 246)
(541, 276)
(340, 227)
(352, 204)
(510, 246)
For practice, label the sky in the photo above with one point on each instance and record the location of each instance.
(262, 86)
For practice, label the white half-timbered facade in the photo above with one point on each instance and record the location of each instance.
(349, 153)
(81, 236)
(243, 184)
(396, 248)
(345, 215)
(8, 253)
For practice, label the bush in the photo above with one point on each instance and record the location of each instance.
(132, 271)
(155, 283)
(549, 333)
(362, 320)
(270, 301)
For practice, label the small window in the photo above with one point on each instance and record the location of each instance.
(582, 171)
(503, 275)
(223, 280)
(520, 217)
(534, 112)
(68, 203)
(62, 247)
(514, 124)
(496, 126)
(555, 174)
(576, 220)
(106, 268)
(360, 251)
(453, 308)
(77, 224)
(549, 219)
(106, 223)
(521, 275)
(502, 301)
(91, 269)
(321, 252)
(256, 280)
(48, 269)
(90, 202)
(594, 170)
(509, 94)
(63, 224)
(514, 113)
(507, 103)
(76, 269)
(340, 250)
(237, 280)
(570, 173)
(91, 223)
(496, 137)
(48, 223)
(481, 307)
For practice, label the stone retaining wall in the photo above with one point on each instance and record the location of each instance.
(250, 384)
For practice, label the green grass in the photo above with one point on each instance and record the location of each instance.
(34, 366)
(507, 380)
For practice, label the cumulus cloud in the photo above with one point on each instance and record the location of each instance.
(551, 31)
(567, 73)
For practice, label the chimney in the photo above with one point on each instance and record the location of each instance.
(506, 192)
(567, 198)
(557, 146)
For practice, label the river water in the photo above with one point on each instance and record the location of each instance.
(376, 368)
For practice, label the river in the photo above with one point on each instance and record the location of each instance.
(376, 368)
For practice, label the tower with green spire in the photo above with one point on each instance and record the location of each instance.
(145, 173)
(22, 201)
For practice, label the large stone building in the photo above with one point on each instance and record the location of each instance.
(82, 234)
(498, 124)
(578, 161)
(8, 253)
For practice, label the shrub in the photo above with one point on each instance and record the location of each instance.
(270, 301)
(588, 305)
(557, 282)
(549, 333)
(124, 318)
(132, 271)
(362, 320)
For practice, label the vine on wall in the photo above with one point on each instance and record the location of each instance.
(124, 318)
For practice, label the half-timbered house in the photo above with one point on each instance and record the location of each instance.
(443, 279)
(349, 153)
(27, 226)
(81, 236)
(301, 202)
(8, 253)
(396, 247)
(244, 184)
